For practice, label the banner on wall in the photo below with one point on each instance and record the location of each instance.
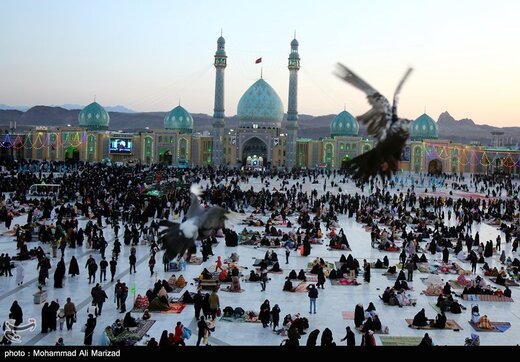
(405, 157)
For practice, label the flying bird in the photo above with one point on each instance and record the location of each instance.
(199, 223)
(390, 131)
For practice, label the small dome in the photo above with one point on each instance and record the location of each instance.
(179, 119)
(260, 105)
(423, 128)
(94, 117)
(294, 43)
(221, 40)
(344, 124)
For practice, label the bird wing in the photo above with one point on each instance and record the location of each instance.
(195, 208)
(174, 241)
(378, 117)
(212, 220)
(398, 88)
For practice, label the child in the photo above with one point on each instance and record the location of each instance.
(61, 318)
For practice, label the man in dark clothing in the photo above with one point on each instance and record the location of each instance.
(92, 268)
(197, 303)
(203, 327)
(103, 264)
(410, 266)
(313, 295)
(113, 265)
(99, 298)
(132, 259)
(350, 337)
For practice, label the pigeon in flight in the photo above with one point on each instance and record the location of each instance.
(199, 223)
(390, 131)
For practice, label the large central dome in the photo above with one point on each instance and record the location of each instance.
(260, 105)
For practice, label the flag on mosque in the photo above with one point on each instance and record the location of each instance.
(259, 60)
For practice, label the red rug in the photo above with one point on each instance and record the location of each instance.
(175, 308)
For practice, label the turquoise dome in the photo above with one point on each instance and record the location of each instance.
(179, 119)
(294, 43)
(260, 105)
(344, 124)
(423, 128)
(94, 117)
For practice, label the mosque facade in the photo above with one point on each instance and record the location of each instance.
(259, 141)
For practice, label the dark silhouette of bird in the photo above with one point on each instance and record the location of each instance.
(390, 131)
(199, 223)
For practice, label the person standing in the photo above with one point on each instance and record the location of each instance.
(178, 337)
(350, 337)
(99, 297)
(113, 266)
(202, 329)
(132, 259)
(313, 295)
(410, 266)
(70, 311)
(123, 296)
(321, 278)
(214, 303)
(20, 272)
(103, 264)
(275, 316)
(263, 276)
(197, 303)
(287, 252)
(89, 330)
(151, 264)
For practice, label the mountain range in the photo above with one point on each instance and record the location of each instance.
(463, 130)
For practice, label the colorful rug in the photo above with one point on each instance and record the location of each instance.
(509, 283)
(385, 330)
(175, 308)
(497, 327)
(455, 284)
(196, 260)
(347, 315)
(143, 327)
(430, 294)
(328, 265)
(486, 298)
(343, 282)
(311, 278)
(400, 340)
(176, 290)
(450, 324)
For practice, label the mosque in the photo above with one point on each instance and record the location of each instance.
(259, 140)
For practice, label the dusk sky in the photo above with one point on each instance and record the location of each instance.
(148, 55)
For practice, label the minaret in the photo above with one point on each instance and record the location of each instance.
(218, 112)
(292, 108)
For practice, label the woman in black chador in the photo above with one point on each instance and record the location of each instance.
(59, 274)
(73, 267)
(359, 315)
(89, 330)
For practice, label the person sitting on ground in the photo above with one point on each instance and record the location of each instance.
(386, 263)
(378, 264)
(426, 341)
(447, 289)
(205, 275)
(276, 267)
(253, 277)
(301, 275)
(288, 286)
(146, 315)
(507, 292)
(181, 282)
(420, 320)
(172, 281)
(440, 321)
(129, 321)
(292, 274)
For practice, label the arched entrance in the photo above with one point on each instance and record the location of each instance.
(344, 162)
(71, 155)
(435, 166)
(165, 156)
(254, 152)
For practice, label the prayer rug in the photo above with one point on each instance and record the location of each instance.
(450, 324)
(400, 340)
(233, 319)
(486, 298)
(455, 284)
(509, 283)
(175, 308)
(348, 315)
(497, 327)
(343, 282)
(196, 260)
(143, 327)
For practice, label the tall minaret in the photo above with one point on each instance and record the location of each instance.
(292, 108)
(218, 111)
